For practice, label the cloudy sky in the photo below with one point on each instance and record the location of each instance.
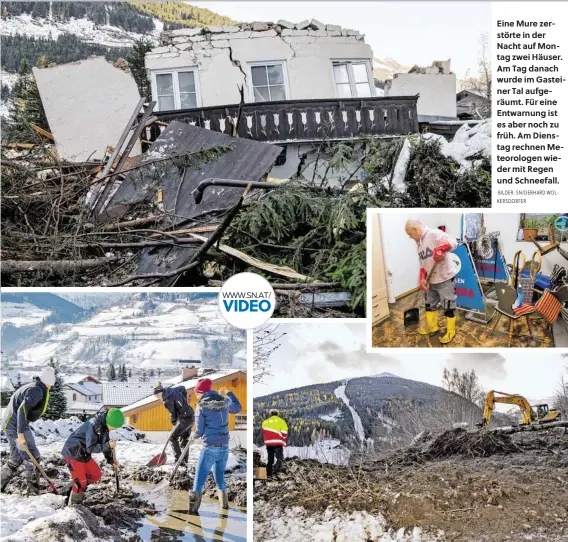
(408, 32)
(328, 351)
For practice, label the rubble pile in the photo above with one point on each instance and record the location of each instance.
(456, 482)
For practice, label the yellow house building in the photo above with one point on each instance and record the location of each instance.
(150, 414)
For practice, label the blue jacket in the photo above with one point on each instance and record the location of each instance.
(91, 437)
(27, 404)
(213, 417)
(175, 400)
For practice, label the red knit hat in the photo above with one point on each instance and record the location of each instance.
(203, 385)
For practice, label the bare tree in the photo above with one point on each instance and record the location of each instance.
(561, 395)
(265, 342)
(465, 384)
(481, 83)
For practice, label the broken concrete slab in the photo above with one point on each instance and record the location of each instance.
(186, 31)
(87, 105)
(258, 26)
(316, 25)
(285, 24)
(303, 25)
(332, 27)
(264, 34)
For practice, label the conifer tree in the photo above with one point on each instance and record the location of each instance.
(57, 406)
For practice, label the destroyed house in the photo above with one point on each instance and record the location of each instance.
(286, 84)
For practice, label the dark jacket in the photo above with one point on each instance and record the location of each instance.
(91, 437)
(175, 400)
(27, 404)
(213, 417)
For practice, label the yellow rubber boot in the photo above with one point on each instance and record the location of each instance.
(431, 324)
(450, 332)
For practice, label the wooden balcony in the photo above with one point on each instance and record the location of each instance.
(297, 121)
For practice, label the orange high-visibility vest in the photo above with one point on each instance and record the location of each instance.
(274, 431)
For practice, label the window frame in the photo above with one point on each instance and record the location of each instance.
(352, 84)
(174, 72)
(282, 63)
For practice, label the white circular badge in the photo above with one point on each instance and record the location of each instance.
(247, 300)
(457, 262)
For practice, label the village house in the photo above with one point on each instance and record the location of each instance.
(83, 389)
(301, 84)
(149, 414)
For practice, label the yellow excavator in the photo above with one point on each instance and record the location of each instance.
(535, 414)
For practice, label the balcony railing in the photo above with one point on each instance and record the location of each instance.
(296, 121)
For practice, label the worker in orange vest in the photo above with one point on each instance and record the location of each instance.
(275, 435)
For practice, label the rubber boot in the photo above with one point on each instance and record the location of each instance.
(431, 324)
(223, 498)
(32, 482)
(76, 498)
(194, 502)
(450, 332)
(6, 474)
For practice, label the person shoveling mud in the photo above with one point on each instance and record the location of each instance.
(27, 404)
(90, 438)
(213, 409)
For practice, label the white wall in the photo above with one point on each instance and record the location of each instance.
(399, 250)
(222, 59)
(437, 93)
(87, 105)
(508, 225)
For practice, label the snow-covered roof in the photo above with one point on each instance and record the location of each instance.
(5, 384)
(188, 385)
(85, 388)
(80, 406)
(24, 377)
(78, 378)
(123, 393)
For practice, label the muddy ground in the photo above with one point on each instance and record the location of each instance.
(476, 487)
(118, 516)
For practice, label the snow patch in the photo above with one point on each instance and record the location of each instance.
(325, 451)
(16, 511)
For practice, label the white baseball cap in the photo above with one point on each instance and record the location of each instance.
(47, 376)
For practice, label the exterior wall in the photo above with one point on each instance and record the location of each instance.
(437, 93)
(222, 58)
(69, 396)
(156, 418)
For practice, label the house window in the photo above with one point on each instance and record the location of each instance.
(176, 89)
(352, 79)
(234, 382)
(268, 82)
(240, 421)
(544, 225)
(74, 397)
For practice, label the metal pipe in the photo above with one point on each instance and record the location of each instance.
(198, 192)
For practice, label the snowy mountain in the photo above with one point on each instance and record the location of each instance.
(143, 330)
(364, 413)
(385, 68)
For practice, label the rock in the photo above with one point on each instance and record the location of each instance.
(287, 32)
(332, 28)
(215, 29)
(285, 24)
(316, 25)
(303, 25)
(264, 34)
(187, 32)
(260, 26)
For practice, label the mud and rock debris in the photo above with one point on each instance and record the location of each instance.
(237, 487)
(517, 486)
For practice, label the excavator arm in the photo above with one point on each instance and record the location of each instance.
(507, 398)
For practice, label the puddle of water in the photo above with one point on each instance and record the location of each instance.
(176, 525)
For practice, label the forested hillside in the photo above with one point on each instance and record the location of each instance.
(303, 408)
(27, 33)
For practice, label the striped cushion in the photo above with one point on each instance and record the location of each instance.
(548, 307)
(525, 308)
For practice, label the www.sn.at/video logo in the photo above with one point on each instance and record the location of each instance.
(247, 300)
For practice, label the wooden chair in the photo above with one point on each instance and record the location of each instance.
(506, 296)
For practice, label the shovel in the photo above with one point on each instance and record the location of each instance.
(412, 316)
(40, 469)
(115, 470)
(166, 481)
(160, 459)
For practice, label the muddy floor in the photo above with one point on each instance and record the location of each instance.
(507, 333)
(134, 514)
(517, 489)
